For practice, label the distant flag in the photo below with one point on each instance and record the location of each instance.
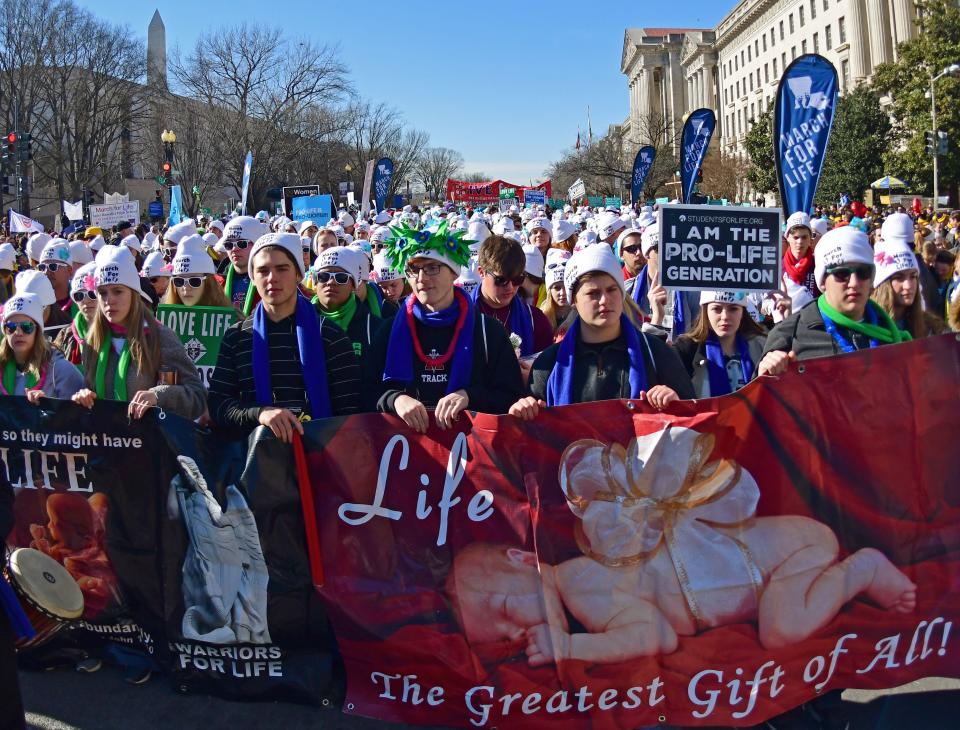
(589, 128)
(578, 138)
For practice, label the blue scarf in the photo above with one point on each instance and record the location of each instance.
(842, 342)
(717, 367)
(560, 382)
(640, 297)
(679, 316)
(312, 358)
(521, 321)
(399, 367)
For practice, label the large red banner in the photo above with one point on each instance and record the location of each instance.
(462, 191)
(609, 566)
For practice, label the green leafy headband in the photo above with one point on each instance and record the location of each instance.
(407, 243)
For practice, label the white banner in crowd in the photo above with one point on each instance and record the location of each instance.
(23, 224)
(107, 216)
(114, 198)
(73, 211)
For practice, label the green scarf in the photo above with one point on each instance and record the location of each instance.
(228, 290)
(10, 377)
(80, 322)
(886, 331)
(120, 379)
(342, 316)
(374, 303)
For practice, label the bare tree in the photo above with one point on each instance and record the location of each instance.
(267, 94)
(476, 177)
(435, 167)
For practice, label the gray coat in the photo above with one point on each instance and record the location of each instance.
(188, 398)
(804, 333)
(63, 379)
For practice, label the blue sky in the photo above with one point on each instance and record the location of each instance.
(505, 84)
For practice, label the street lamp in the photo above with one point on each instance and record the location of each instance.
(952, 70)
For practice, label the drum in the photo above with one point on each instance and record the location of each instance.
(48, 594)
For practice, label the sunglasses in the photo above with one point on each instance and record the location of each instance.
(504, 280)
(378, 246)
(306, 248)
(79, 296)
(53, 268)
(28, 328)
(194, 282)
(339, 277)
(169, 253)
(240, 244)
(631, 249)
(429, 269)
(843, 273)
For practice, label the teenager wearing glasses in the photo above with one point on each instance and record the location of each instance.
(129, 356)
(194, 281)
(502, 268)
(439, 352)
(83, 292)
(157, 271)
(28, 365)
(237, 240)
(56, 263)
(335, 276)
(843, 319)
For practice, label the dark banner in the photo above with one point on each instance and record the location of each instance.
(463, 191)
(719, 248)
(382, 175)
(608, 566)
(641, 168)
(803, 116)
(697, 133)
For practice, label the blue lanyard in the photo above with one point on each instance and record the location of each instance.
(842, 341)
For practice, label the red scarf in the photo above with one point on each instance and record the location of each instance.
(797, 269)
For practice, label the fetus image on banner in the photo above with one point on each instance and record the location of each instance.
(224, 572)
(671, 547)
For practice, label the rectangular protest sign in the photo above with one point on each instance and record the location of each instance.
(610, 566)
(200, 329)
(534, 197)
(719, 248)
(612, 202)
(577, 190)
(107, 216)
(290, 192)
(316, 208)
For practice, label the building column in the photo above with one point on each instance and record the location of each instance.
(652, 100)
(708, 73)
(859, 41)
(904, 17)
(643, 79)
(881, 48)
(701, 88)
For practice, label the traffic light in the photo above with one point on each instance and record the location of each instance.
(943, 142)
(26, 147)
(929, 143)
(8, 184)
(12, 145)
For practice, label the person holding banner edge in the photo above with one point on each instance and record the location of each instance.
(282, 364)
(843, 319)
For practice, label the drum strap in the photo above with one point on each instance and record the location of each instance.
(11, 606)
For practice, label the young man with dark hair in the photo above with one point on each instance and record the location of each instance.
(501, 265)
(281, 364)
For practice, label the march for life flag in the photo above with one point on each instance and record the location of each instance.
(245, 184)
(381, 181)
(17, 223)
(697, 133)
(803, 117)
(641, 168)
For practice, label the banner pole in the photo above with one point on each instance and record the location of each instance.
(309, 512)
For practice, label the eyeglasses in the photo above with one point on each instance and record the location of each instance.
(631, 249)
(27, 328)
(339, 277)
(194, 282)
(842, 274)
(413, 272)
(239, 243)
(504, 280)
(52, 268)
(79, 296)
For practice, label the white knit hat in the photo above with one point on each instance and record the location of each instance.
(36, 243)
(36, 283)
(131, 242)
(341, 257)
(891, 257)
(844, 245)
(535, 263)
(155, 265)
(562, 230)
(83, 278)
(798, 219)
(469, 278)
(363, 261)
(383, 218)
(592, 258)
(555, 265)
(504, 225)
(723, 297)
(192, 258)
(176, 233)
(8, 256)
(607, 224)
(382, 270)
(96, 243)
(898, 228)
(80, 252)
(650, 238)
(57, 251)
(541, 223)
(115, 265)
(24, 303)
(244, 228)
(819, 226)
(477, 232)
(289, 242)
